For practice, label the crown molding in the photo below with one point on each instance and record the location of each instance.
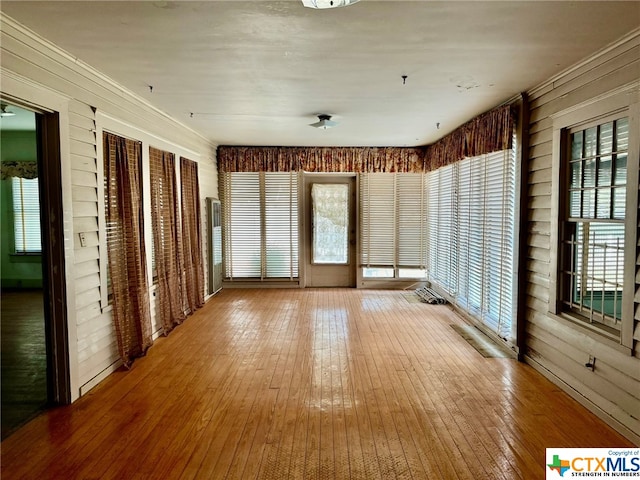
(550, 83)
(26, 36)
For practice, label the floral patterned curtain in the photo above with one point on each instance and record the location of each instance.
(320, 159)
(489, 132)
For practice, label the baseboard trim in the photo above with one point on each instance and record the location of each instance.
(585, 402)
(84, 389)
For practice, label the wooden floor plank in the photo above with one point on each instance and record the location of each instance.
(23, 363)
(318, 384)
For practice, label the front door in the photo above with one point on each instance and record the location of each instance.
(330, 230)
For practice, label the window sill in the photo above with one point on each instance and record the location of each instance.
(257, 283)
(107, 309)
(35, 258)
(606, 337)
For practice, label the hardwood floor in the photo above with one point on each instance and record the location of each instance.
(310, 384)
(23, 357)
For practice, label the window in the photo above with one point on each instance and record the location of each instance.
(122, 164)
(164, 214)
(470, 226)
(485, 238)
(26, 215)
(330, 223)
(393, 225)
(260, 218)
(441, 227)
(593, 228)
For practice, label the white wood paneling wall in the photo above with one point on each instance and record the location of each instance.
(96, 341)
(560, 349)
(37, 64)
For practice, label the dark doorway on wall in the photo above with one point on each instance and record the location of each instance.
(24, 354)
(34, 347)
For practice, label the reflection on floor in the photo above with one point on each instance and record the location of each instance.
(23, 365)
(307, 384)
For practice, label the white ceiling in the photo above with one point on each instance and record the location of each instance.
(257, 72)
(22, 120)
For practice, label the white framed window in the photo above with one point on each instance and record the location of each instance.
(26, 215)
(485, 238)
(260, 225)
(105, 122)
(594, 235)
(593, 227)
(393, 236)
(442, 219)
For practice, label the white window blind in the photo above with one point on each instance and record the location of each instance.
(281, 224)
(377, 220)
(260, 217)
(470, 237)
(499, 212)
(242, 233)
(471, 209)
(441, 227)
(392, 222)
(411, 220)
(26, 215)
(485, 241)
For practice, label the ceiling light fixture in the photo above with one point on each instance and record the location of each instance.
(4, 112)
(324, 121)
(322, 4)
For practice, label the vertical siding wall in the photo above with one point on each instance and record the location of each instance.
(556, 348)
(40, 65)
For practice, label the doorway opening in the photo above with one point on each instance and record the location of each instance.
(34, 355)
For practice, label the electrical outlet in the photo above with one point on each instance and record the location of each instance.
(83, 239)
(591, 364)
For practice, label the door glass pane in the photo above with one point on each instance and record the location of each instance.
(330, 223)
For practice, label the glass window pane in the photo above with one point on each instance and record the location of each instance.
(377, 272)
(590, 142)
(574, 204)
(590, 173)
(622, 134)
(619, 200)
(604, 171)
(576, 174)
(601, 252)
(26, 215)
(589, 203)
(412, 273)
(620, 174)
(604, 203)
(330, 223)
(606, 138)
(576, 146)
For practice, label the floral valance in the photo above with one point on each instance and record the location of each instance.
(18, 169)
(489, 132)
(320, 159)
(486, 133)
